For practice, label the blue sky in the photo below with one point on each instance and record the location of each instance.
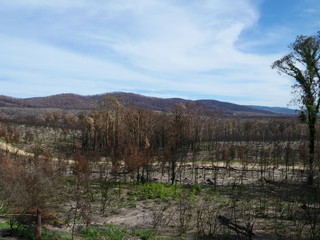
(193, 49)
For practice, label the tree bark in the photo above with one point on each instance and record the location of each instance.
(173, 171)
(38, 227)
(312, 133)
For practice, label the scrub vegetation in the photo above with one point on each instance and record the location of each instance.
(129, 173)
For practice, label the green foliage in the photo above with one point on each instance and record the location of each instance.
(144, 234)
(5, 225)
(303, 117)
(157, 190)
(113, 232)
(196, 189)
(110, 231)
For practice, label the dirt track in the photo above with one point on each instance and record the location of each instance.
(14, 150)
(18, 151)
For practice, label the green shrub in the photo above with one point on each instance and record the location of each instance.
(110, 231)
(144, 234)
(157, 190)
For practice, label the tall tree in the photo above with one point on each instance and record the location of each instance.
(176, 145)
(303, 63)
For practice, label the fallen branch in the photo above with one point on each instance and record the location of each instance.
(236, 227)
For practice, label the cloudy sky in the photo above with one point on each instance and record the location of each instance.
(193, 49)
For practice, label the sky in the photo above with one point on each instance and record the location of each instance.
(192, 49)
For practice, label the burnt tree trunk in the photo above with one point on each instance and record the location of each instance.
(173, 171)
(38, 227)
(312, 134)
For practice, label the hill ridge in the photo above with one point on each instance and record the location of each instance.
(76, 101)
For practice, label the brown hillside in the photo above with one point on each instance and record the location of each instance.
(74, 101)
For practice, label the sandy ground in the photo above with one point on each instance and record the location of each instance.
(14, 150)
(21, 152)
(134, 218)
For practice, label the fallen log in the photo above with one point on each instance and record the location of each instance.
(247, 231)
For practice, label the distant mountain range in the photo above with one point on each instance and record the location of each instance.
(74, 101)
(281, 110)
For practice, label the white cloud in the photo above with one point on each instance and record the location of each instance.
(180, 38)
(153, 45)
